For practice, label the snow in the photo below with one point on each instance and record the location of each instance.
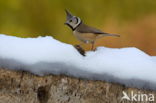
(154, 58)
(45, 55)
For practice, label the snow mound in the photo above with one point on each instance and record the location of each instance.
(45, 55)
(154, 58)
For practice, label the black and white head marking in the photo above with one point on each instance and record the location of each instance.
(72, 21)
(78, 22)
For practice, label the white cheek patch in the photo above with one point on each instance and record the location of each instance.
(79, 21)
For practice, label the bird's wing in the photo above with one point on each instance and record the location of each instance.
(87, 29)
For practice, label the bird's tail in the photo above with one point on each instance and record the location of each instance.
(107, 34)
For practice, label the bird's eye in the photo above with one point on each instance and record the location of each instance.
(70, 20)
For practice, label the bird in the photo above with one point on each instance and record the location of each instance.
(83, 32)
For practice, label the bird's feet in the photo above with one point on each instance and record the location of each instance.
(93, 49)
(80, 49)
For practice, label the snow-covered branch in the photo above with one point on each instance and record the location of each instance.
(45, 55)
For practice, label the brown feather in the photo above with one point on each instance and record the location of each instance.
(83, 28)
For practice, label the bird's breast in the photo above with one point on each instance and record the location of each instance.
(85, 37)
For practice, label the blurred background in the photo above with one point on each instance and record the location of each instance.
(134, 20)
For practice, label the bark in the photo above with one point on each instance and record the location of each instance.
(24, 87)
